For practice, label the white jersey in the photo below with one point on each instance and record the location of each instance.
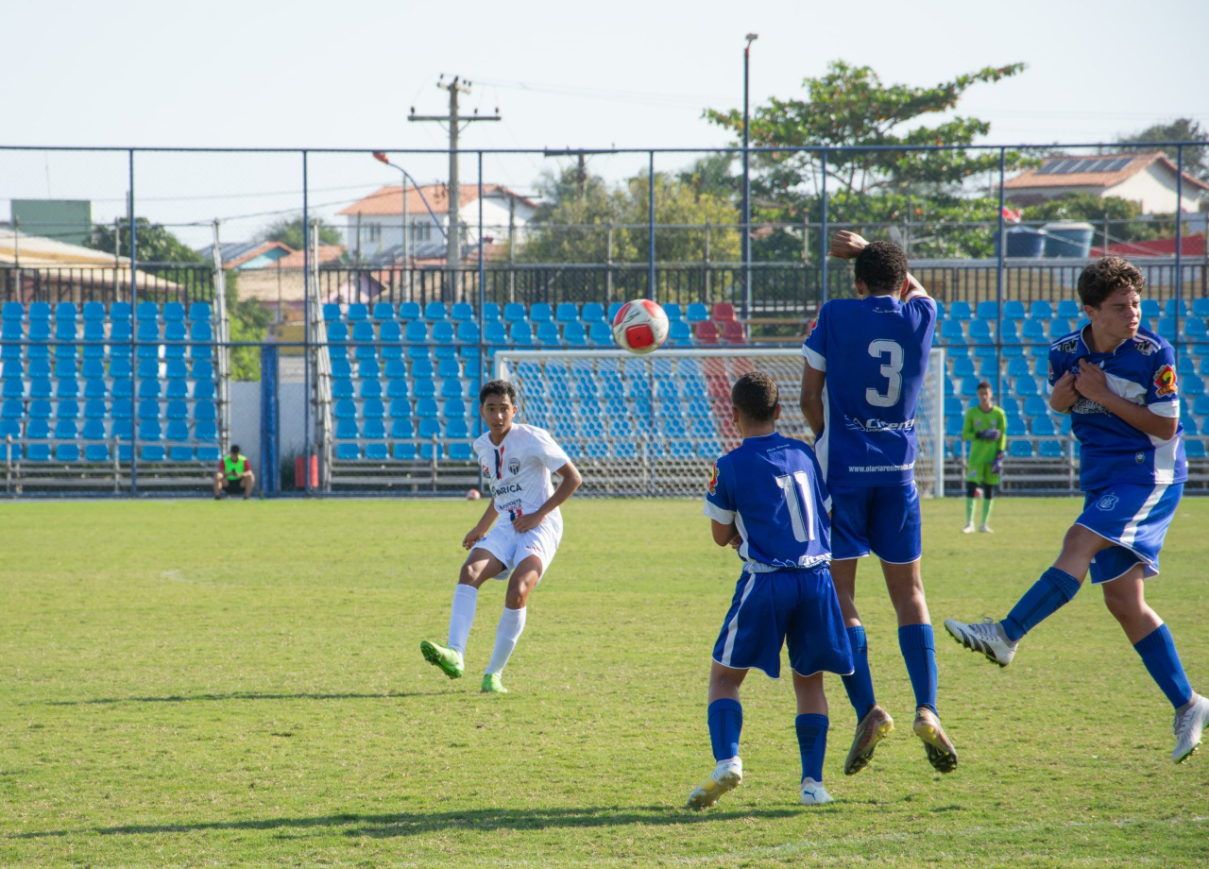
(518, 470)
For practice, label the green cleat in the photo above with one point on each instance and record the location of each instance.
(493, 684)
(448, 660)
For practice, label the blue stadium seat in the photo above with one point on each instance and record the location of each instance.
(454, 408)
(449, 368)
(1016, 427)
(1013, 309)
(1192, 385)
(1026, 386)
(423, 368)
(178, 430)
(1042, 426)
(1069, 309)
(430, 427)
(491, 312)
(575, 335)
(1035, 405)
(204, 410)
(462, 312)
(331, 313)
(417, 332)
(950, 330)
(1195, 329)
(514, 312)
(547, 334)
(1020, 449)
(37, 452)
(435, 311)
(468, 332)
(613, 309)
(539, 312)
(1034, 332)
(981, 332)
(1170, 305)
(96, 453)
(409, 311)
(427, 408)
(697, 313)
(371, 389)
(1167, 328)
(988, 369)
(13, 312)
(348, 452)
(679, 333)
(963, 368)
(150, 431)
(988, 310)
(65, 330)
(373, 429)
(1058, 328)
(402, 429)
(120, 312)
(357, 312)
(199, 312)
(384, 311)
(180, 454)
(953, 426)
(1050, 449)
(960, 310)
(94, 430)
(173, 312)
(451, 387)
(521, 333)
(673, 312)
(39, 312)
(600, 334)
(1194, 449)
(567, 313)
(593, 312)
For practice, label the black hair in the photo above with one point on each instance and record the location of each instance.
(234, 449)
(497, 387)
(881, 267)
(755, 395)
(1105, 276)
(984, 384)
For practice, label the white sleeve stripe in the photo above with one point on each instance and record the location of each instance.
(713, 511)
(1168, 409)
(817, 361)
(827, 505)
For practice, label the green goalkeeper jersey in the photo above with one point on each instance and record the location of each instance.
(984, 451)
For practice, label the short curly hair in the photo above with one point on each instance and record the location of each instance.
(755, 395)
(1105, 276)
(497, 387)
(881, 267)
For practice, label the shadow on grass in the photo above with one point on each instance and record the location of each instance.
(416, 823)
(177, 698)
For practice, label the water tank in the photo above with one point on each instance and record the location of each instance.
(1022, 241)
(1068, 238)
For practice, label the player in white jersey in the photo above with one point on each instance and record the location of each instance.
(518, 535)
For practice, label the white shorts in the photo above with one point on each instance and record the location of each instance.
(512, 548)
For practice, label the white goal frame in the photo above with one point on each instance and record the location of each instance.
(643, 473)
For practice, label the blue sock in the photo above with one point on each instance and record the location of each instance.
(1161, 659)
(860, 684)
(725, 722)
(812, 742)
(919, 653)
(1051, 592)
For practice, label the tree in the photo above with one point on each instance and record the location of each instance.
(153, 243)
(249, 321)
(573, 229)
(1196, 157)
(850, 106)
(1126, 222)
(291, 232)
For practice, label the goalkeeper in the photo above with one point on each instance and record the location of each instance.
(986, 426)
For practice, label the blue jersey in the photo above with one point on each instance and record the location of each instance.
(1141, 370)
(875, 353)
(772, 489)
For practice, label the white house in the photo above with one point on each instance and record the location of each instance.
(1146, 178)
(378, 219)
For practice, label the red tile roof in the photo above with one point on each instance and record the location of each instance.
(389, 200)
(262, 248)
(327, 253)
(1031, 179)
(1190, 245)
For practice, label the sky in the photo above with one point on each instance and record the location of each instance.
(625, 74)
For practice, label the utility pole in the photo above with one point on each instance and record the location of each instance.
(581, 176)
(455, 86)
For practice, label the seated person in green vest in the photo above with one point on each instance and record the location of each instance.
(986, 426)
(234, 475)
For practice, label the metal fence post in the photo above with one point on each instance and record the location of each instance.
(482, 354)
(270, 464)
(651, 228)
(823, 244)
(1000, 275)
(134, 335)
(1179, 244)
(307, 434)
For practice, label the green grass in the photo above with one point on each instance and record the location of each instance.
(202, 684)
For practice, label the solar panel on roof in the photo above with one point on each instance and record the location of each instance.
(1119, 164)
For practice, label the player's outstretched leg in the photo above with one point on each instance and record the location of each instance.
(873, 722)
(512, 621)
(1055, 589)
(811, 725)
(1153, 642)
(480, 566)
(725, 719)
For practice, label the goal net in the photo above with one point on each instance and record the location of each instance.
(652, 426)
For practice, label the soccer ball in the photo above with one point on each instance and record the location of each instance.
(640, 326)
(473, 495)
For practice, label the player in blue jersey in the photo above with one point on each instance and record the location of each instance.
(768, 500)
(865, 364)
(1118, 383)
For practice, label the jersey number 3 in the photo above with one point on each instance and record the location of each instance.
(796, 488)
(891, 370)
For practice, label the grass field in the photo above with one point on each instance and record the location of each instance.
(204, 684)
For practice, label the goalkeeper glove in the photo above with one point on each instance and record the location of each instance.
(991, 434)
(997, 465)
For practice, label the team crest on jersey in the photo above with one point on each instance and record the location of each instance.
(1069, 346)
(1164, 381)
(514, 466)
(713, 480)
(1107, 503)
(1144, 346)
(486, 470)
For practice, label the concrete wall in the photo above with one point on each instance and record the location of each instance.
(245, 419)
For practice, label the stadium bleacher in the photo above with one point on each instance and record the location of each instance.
(405, 380)
(75, 394)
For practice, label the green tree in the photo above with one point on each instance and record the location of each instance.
(291, 232)
(574, 229)
(249, 321)
(1196, 157)
(154, 243)
(850, 106)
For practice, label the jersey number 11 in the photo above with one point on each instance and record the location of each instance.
(796, 488)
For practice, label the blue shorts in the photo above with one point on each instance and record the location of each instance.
(883, 520)
(798, 606)
(1133, 517)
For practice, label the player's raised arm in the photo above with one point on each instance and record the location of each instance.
(848, 245)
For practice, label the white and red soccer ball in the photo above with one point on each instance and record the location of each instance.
(640, 326)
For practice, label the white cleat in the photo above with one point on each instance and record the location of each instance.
(985, 636)
(985, 529)
(1188, 727)
(969, 529)
(814, 794)
(725, 777)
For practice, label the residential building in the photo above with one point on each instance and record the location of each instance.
(1148, 178)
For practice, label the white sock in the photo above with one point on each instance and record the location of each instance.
(512, 622)
(461, 617)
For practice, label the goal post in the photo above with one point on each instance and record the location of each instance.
(652, 426)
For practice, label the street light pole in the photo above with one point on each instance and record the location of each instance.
(751, 37)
